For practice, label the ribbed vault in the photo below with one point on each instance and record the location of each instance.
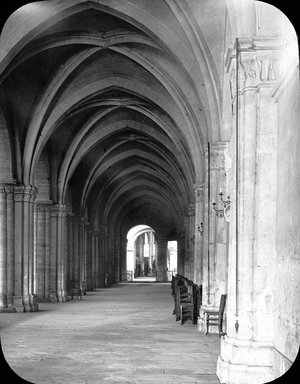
(120, 99)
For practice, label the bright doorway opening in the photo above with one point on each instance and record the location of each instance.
(172, 259)
(142, 253)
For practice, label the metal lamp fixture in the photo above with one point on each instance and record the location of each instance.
(226, 206)
(201, 228)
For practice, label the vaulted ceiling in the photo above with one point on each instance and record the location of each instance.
(119, 97)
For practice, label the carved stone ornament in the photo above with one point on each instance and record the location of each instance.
(42, 207)
(199, 192)
(191, 209)
(260, 62)
(254, 70)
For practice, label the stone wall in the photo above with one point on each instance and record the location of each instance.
(287, 269)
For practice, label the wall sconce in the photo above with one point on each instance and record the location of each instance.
(226, 206)
(201, 228)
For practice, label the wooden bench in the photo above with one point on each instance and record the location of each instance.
(216, 317)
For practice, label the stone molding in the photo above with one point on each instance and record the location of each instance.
(58, 210)
(44, 206)
(21, 193)
(218, 156)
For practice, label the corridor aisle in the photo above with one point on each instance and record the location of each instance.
(123, 334)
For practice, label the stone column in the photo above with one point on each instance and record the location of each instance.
(198, 243)
(214, 271)
(247, 350)
(75, 247)
(82, 247)
(101, 261)
(180, 252)
(89, 258)
(161, 258)
(219, 226)
(123, 259)
(24, 298)
(69, 251)
(6, 249)
(96, 259)
(106, 266)
(42, 250)
(187, 243)
(192, 239)
(117, 265)
(58, 290)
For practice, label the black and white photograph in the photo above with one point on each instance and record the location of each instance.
(149, 192)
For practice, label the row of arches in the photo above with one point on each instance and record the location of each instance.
(120, 113)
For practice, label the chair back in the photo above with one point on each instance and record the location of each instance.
(222, 304)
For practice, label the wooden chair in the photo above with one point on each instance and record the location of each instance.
(216, 317)
(83, 287)
(181, 295)
(189, 309)
(74, 291)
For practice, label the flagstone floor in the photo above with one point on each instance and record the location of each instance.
(122, 334)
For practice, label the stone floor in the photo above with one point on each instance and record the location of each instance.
(122, 334)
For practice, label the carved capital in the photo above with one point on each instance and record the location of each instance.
(83, 222)
(58, 210)
(24, 193)
(42, 207)
(260, 63)
(5, 190)
(199, 192)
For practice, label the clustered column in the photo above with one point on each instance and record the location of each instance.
(161, 258)
(6, 249)
(191, 241)
(215, 229)
(123, 258)
(17, 264)
(247, 350)
(58, 285)
(42, 250)
(198, 241)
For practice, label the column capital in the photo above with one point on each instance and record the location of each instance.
(43, 206)
(199, 191)
(59, 210)
(263, 61)
(6, 189)
(26, 193)
(83, 222)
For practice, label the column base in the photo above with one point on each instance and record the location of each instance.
(24, 303)
(62, 296)
(34, 307)
(245, 362)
